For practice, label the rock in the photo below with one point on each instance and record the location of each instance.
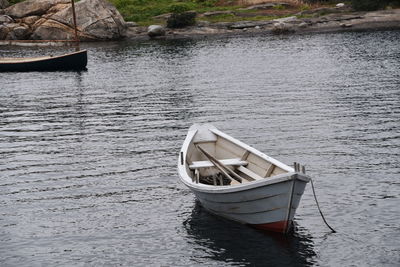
(163, 16)
(30, 20)
(203, 23)
(19, 33)
(340, 5)
(287, 19)
(5, 19)
(216, 13)
(281, 28)
(131, 24)
(32, 7)
(303, 25)
(346, 25)
(52, 30)
(3, 32)
(3, 4)
(244, 25)
(96, 20)
(155, 30)
(55, 30)
(266, 6)
(57, 8)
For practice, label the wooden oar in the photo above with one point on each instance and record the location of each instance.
(224, 169)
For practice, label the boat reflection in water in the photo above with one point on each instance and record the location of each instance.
(235, 243)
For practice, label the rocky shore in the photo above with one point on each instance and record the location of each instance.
(335, 22)
(98, 20)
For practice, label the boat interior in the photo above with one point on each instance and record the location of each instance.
(221, 162)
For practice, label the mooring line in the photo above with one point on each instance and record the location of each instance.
(320, 212)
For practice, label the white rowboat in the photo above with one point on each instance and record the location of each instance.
(238, 182)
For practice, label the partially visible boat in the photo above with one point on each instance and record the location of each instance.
(238, 182)
(71, 61)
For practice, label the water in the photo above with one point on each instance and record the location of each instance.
(88, 160)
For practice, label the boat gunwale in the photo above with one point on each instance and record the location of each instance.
(187, 180)
(38, 59)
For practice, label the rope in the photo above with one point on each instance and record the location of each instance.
(320, 212)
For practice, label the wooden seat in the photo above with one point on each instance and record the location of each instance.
(226, 162)
(249, 173)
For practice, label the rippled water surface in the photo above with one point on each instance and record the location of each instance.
(88, 160)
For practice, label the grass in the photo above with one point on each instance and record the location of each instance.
(143, 11)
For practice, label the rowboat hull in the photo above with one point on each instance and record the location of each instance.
(268, 207)
(72, 61)
(268, 203)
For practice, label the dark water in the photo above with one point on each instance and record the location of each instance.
(88, 160)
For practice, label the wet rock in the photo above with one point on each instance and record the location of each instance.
(32, 7)
(155, 31)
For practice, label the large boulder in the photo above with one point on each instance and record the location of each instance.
(32, 8)
(96, 19)
(53, 20)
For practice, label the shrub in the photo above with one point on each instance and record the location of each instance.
(366, 5)
(369, 5)
(179, 8)
(181, 20)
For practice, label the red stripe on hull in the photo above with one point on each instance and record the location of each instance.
(280, 227)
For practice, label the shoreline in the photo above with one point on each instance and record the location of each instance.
(331, 23)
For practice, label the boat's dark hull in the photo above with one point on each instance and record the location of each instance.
(72, 61)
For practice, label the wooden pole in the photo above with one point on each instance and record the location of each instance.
(74, 18)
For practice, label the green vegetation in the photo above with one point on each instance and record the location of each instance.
(181, 19)
(279, 7)
(13, 2)
(144, 11)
